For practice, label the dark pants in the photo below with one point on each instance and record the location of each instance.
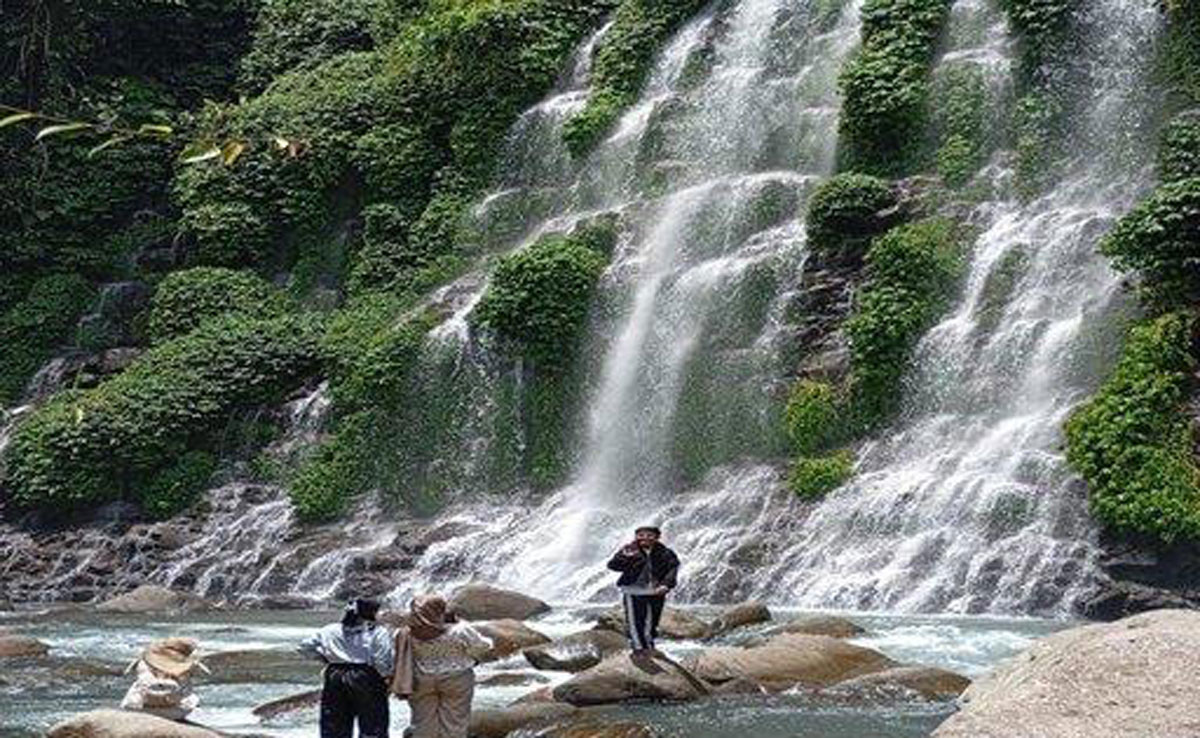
(353, 691)
(642, 613)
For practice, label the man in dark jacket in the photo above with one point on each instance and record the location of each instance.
(648, 570)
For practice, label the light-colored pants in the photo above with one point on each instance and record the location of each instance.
(441, 704)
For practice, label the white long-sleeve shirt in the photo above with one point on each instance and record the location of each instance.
(453, 651)
(365, 644)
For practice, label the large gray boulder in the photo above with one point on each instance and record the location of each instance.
(1134, 677)
(485, 602)
(905, 682)
(149, 598)
(509, 637)
(577, 651)
(309, 700)
(788, 660)
(739, 616)
(499, 723)
(826, 625)
(122, 724)
(21, 647)
(675, 624)
(621, 678)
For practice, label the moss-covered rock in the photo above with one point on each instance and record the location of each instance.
(812, 477)
(622, 61)
(1133, 441)
(1160, 240)
(913, 271)
(188, 298)
(31, 329)
(847, 211)
(960, 113)
(998, 288)
(110, 442)
(885, 87)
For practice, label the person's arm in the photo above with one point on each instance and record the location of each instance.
(622, 560)
(669, 579)
(476, 644)
(311, 647)
(383, 651)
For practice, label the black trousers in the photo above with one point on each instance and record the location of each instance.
(354, 692)
(642, 613)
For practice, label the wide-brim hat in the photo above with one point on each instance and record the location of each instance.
(174, 657)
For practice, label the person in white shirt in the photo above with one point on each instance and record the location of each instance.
(435, 668)
(163, 685)
(358, 658)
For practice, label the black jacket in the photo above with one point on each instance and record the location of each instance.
(664, 565)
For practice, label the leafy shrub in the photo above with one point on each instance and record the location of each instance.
(338, 471)
(1040, 140)
(912, 273)
(847, 211)
(187, 298)
(172, 490)
(109, 442)
(813, 416)
(960, 117)
(623, 59)
(1132, 442)
(378, 375)
(1160, 238)
(539, 298)
(1179, 148)
(885, 86)
(35, 326)
(813, 477)
(1042, 26)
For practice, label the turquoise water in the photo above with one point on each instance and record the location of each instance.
(89, 650)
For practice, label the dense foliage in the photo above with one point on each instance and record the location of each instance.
(31, 329)
(960, 113)
(186, 299)
(847, 211)
(1179, 148)
(813, 416)
(1133, 441)
(622, 61)
(812, 477)
(885, 87)
(110, 442)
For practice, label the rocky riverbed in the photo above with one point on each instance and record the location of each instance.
(726, 672)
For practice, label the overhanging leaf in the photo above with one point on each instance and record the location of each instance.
(195, 154)
(158, 130)
(110, 142)
(16, 118)
(63, 128)
(231, 151)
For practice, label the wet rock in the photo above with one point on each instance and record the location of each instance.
(286, 705)
(925, 682)
(737, 685)
(124, 724)
(508, 637)
(577, 651)
(542, 694)
(150, 598)
(789, 660)
(278, 602)
(1134, 677)
(621, 678)
(747, 613)
(21, 647)
(485, 602)
(824, 625)
(1116, 599)
(512, 679)
(499, 723)
(675, 623)
(259, 665)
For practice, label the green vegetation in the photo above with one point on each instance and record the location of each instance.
(998, 288)
(1179, 148)
(36, 325)
(172, 490)
(960, 122)
(186, 299)
(847, 211)
(1160, 239)
(622, 60)
(1133, 441)
(912, 272)
(1179, 53)
(112, 442)
(813, 477)
(885, 87)
(813, 416)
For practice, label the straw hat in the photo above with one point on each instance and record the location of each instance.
(172, 656)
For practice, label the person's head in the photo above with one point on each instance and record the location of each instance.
(428, 616)
(359, 611)
(647, 536)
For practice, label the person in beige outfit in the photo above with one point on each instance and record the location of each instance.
(435, 668)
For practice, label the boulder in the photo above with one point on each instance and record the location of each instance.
(1134, 677)
(150, 598)
(541, 694)
(620, 678)
(789, 660)
(577, 651)
(285, 705)
(824, 625)
(675, 624)
(509, 637)
(259, 665)
(512, 679)
(21, 647)
(596, 728)
(123, 724)
(925, 682)
(485, 602)
(499, 723)
(738, 616)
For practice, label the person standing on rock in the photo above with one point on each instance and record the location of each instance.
(648, 570)
(358, 657)
(435, 668)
